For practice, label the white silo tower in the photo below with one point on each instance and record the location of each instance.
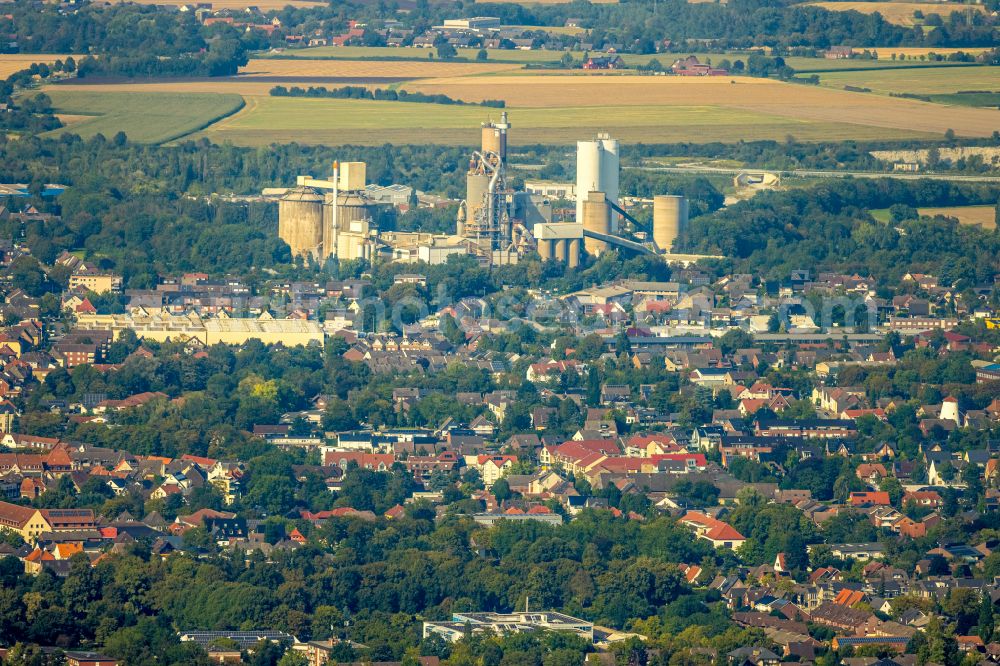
(610, 168)
(597, 168)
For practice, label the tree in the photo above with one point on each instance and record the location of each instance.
(445, 50)
(501, 490)
(482, 55)
(986, 621)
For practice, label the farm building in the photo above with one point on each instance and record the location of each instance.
(690, 66)
(604, 62)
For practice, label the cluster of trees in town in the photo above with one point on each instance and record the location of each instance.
(381, 94)
(34, 113)
(130, 40)
(369, 581)
(829, 227)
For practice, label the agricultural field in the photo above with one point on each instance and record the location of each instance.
(987, 99)
(545, 106)
(276, 119)
(14, 62)
(981, 216)
(542, 56)
(920, 80)
(886, 53)
(146, 118)
(305, 70)
(900, 13)
(787, 101)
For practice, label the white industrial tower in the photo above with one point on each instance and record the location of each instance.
(597, 167)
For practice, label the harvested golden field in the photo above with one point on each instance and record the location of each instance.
(886, 52)
(13, 62)
(981, 216)
(787, 101)
(900, 13)
(263, 5)
(366, 69)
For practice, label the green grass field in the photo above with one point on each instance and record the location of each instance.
(144, 117)
(922, 81)
(982, 99)
(267, 120)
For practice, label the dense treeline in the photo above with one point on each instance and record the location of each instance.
(379, 576)
(640, 26)
(829, 227)
(130, 40)
(361, 92)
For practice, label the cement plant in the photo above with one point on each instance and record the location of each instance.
(336, 217)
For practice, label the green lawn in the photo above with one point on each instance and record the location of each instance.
(144, 117)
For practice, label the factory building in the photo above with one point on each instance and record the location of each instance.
(210, 331)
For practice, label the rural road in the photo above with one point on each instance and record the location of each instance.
(806, 173)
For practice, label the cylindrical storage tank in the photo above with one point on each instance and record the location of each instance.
(494, 140)
(574, 252)
(596, 217)
(300, 221)
(560, 250)
(544, 248)
(352, 208)
(588, 172)
(610, 168)
(476, 187)
(670, 216)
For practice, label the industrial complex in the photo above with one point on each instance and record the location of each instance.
(321, 218)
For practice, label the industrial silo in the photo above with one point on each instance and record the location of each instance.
(494, 138)
(597, 167)
(670, 216)
(597, 218)
(610, 168)
(300, 221)
(476, 187)
(353, 213)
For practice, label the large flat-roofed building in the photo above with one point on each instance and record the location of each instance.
(225, 330)
(508, 623)
(475, 23)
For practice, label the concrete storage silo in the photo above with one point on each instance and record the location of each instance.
(476, 187)
(670, 217)
(597, 167)
(352, 214)
(300, 221)
(596, 217)
(610, 169)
